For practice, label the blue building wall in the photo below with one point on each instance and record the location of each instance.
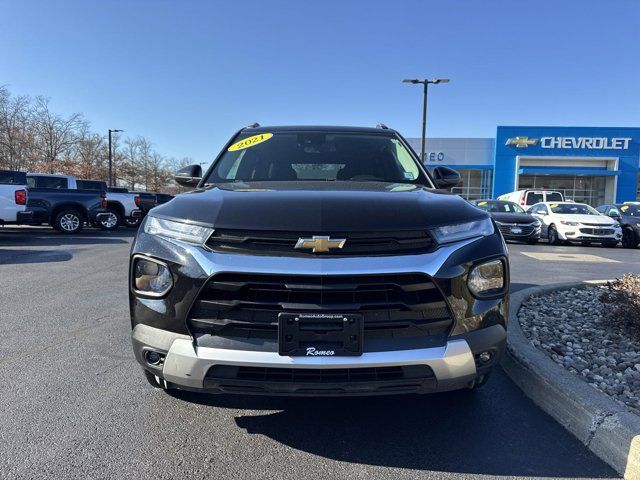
(504, 173)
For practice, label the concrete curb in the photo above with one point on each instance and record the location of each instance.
(603, 425)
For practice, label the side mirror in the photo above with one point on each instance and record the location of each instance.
(188, 176)
(446, 178)
(615, 216)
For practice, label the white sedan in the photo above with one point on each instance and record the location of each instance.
(575, 222)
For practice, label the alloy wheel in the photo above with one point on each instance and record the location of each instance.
(69, 222)
(109, 221)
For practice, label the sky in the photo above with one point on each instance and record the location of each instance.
(187, 74)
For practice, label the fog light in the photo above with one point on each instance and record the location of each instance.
(151, 277)
(487, 278)
(485, 357)
(153, 358)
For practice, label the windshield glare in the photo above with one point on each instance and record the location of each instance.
(631, 210)
(320, 156)
(572, 209)
(496, 207)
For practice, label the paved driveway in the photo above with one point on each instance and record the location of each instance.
(74, 403)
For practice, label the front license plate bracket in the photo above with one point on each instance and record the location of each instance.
(320, 334)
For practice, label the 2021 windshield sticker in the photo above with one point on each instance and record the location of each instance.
(250, 141)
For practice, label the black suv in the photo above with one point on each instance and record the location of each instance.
(318, 261)
(628, 216)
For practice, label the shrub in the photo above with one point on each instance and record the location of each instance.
(623, 298)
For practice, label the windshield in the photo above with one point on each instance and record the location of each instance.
(572, 209)
(320, 156)
(495, 207)
(631, 210)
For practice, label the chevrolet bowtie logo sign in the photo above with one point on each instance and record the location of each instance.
(320, 244)
(521, 142)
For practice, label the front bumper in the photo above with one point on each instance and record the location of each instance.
(186, 366)
(576, 233)
(160, 324)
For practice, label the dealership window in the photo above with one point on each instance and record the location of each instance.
(475, 184)
(589, 189)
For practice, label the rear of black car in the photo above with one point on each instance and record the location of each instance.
(325, 278)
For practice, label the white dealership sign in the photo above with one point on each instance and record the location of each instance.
(591, 143)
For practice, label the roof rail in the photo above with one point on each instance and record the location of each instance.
(253, 125)
(382, 125)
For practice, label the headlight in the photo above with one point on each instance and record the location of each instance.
(180, 231)
(486, 278)
(462, 231)
(572, 224)
(537, 223)
(150, 277)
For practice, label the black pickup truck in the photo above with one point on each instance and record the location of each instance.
(66, 210)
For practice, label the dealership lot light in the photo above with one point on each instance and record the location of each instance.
(425, 83)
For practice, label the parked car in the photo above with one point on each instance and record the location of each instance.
(628, 216)
(148, 200)
(13, 197)
(513, 222)
(122, 207)
(318, 261)
(576, 222)
(526, 198)
(66, 210)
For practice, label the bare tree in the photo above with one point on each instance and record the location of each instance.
(130, 164)
(34, 138)
(16, 134)
(90, 156)
(145, 154)
(55, 135)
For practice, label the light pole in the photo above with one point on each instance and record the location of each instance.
(426, 83)
(111, 156)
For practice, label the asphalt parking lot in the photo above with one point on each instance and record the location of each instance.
(74, 403)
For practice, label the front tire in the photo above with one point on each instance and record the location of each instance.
(68, 221)
(553, 237)
(111, 221)
(132, 222)
(629, 239)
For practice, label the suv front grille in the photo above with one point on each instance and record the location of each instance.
(247, 305)
(357, 243)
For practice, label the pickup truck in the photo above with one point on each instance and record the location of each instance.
(13, 197)
(148, 200)
(66, 210)
(122, 207)
(318, 261)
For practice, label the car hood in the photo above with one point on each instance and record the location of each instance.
(595, 219)
(505, 217)
(319, 206)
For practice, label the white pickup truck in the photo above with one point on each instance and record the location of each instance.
(124, 208)
(13, 197)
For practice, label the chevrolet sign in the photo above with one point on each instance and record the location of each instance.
(590, 143)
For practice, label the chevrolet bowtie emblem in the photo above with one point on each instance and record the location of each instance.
(320, 244)
(521, 142)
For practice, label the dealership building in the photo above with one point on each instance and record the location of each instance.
(594, 165)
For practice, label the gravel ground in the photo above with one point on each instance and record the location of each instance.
(572, 327)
